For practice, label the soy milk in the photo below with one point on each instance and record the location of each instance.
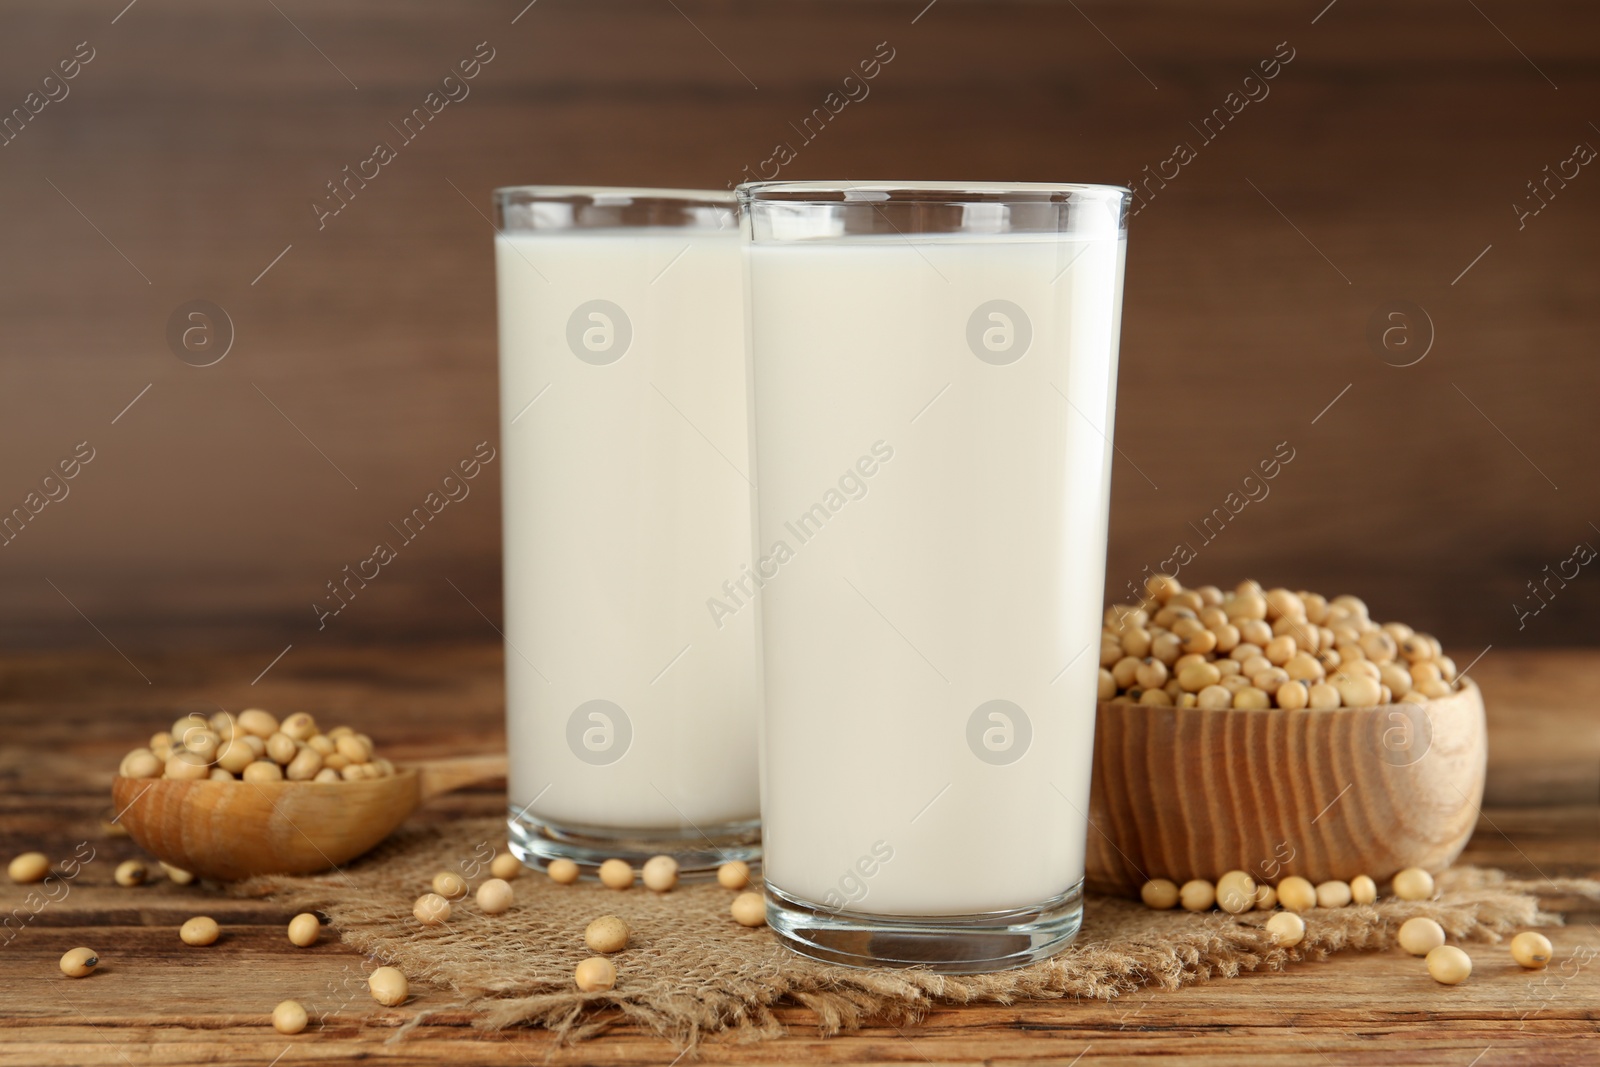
(626, 504)
(932, 423)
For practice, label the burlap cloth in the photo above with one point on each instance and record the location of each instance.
(689, 970)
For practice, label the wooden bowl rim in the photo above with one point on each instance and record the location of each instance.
(399, 772)
(1466, 695)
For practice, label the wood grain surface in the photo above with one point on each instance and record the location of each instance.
(1389, 160)
(67, 718)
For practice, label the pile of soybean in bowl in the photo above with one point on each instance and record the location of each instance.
(1255, 648)
(254, 746)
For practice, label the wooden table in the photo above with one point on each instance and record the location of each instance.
(68, 717)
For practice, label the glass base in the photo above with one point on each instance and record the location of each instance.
(947, 944)
(698, 850)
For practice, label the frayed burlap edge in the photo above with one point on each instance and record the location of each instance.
(690, 971)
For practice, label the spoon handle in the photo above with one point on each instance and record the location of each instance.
(448, 775)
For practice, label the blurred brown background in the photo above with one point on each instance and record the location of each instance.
(1385, 163)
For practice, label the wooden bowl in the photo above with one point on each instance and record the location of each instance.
(1186, 793)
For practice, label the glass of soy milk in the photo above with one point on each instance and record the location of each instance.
(933, 374)
(632, 700)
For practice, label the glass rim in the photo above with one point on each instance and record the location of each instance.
(615, 195)
(926, 192)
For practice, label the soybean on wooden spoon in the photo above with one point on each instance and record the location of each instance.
(231, 830)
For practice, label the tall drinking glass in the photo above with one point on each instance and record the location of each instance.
(631, 699)
(934, 370)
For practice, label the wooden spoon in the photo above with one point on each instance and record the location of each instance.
(231, 830)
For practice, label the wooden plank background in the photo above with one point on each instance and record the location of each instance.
(1384, 163)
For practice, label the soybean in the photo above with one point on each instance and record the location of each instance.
(299, 726)
(289, 1017)
(1413, 883)
(450, 885)
(1531, 950)
(1333, 894)
(304, 929)
(177, 875)
(79, 962)
(606, 934)
(1292, 695)
(749, 909)
(1197, 894)
(200, 930)
(505, 866)
(1236, 892)
(660, 873)
(184, 765)
(1159, 893)
(1297, 894)
(141, 763)
(1287, 929)
(130, 873)
(235, 754)
(281, 748)
(1363, 890)
(1449, 965)
(431, 909)
(494, 896)
(262, 724)
(1420, 935)
(616, 874)
(305, 765)
(29, 867)
(388, 986)
(594, 974)
(261, 771)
